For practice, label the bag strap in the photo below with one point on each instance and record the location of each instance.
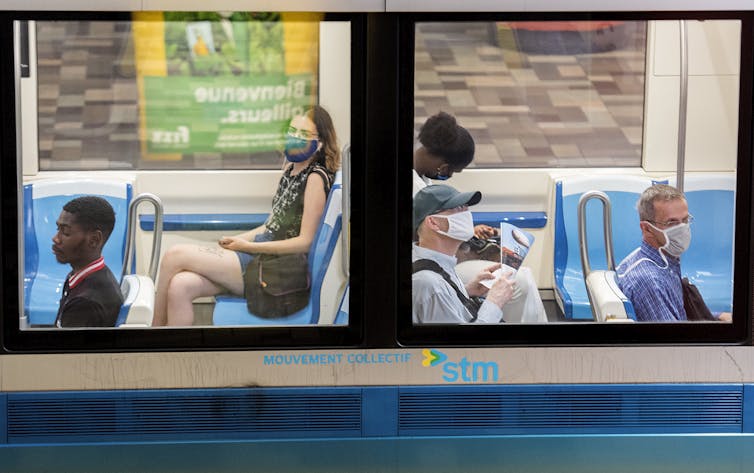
(325, 177)
(429, 265)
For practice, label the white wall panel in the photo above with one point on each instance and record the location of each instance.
(335, 75)
(714, 47)
(712, 112)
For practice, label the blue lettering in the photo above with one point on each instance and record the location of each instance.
(449, 368)
(269, 360)
(485, 368)
(464, 369)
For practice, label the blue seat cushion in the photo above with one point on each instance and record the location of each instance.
(43, 275)
(624, 192)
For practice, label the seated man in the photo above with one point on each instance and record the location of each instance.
(91, 295)
(442, 222)
(651, 275)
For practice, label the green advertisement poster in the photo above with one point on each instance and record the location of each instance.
(222, 114)
(223, 82)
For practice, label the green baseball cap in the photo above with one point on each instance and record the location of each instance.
(438, 197)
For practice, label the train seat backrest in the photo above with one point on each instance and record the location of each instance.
(233, 311)
(624, 192)
(43, 275)
(342, 316)
(708, 263)
(138, 301)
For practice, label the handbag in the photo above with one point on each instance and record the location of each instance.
(693, 303)
(277, 285)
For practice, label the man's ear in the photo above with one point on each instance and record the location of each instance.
(95, 239)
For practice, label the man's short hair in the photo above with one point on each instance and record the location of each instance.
(655, 193)
(438, 197)
(92, 213)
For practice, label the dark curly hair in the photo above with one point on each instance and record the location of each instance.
(92, 213)
(442, 136)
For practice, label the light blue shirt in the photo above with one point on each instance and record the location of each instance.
(434, 301)
(652, 285)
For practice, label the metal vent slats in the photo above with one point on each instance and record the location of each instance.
(57, 417)
(573, 409)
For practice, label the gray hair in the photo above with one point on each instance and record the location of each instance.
(655, 193)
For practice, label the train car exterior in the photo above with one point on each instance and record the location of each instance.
(365, 389)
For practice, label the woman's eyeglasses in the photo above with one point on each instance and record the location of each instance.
(303, 134)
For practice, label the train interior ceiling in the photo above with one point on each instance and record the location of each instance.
(555, 109)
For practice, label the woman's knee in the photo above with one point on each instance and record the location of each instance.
(185, 286)
(176, 256)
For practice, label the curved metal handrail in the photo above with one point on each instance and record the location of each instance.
(156, 235)
(346, 211)
(608, 230)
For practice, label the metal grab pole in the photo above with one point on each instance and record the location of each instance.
(156, 235)
(682, 103)
(608, 230)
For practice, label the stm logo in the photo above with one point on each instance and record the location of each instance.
(463, 370)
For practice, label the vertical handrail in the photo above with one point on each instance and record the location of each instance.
(346, 210)
(156, 234)
(608, 230)
(682, 103)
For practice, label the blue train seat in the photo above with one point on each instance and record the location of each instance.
(708, 263)
(624, 192)
(233, 311)
(43, 275)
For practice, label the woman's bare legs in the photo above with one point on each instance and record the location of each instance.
(218, 270)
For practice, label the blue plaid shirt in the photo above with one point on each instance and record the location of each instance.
(652, 286)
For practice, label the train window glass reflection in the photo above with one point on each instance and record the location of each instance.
(173, 90)
(537, 94)
(473, 99)
(224, 123)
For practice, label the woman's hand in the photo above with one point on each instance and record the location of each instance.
(235, 243)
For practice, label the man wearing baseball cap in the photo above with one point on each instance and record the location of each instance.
(442, 221)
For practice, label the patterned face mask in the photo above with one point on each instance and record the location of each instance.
(299, 149)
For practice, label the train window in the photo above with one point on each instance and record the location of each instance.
(183, 173)
(537, 94)
(544, 253)
(174, 90)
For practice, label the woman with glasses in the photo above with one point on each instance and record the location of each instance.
(191, 271)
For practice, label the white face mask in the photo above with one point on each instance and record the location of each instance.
(460, 225)
(677, 239)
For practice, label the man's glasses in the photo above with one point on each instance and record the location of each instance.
(303, 134)
(673, 222)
